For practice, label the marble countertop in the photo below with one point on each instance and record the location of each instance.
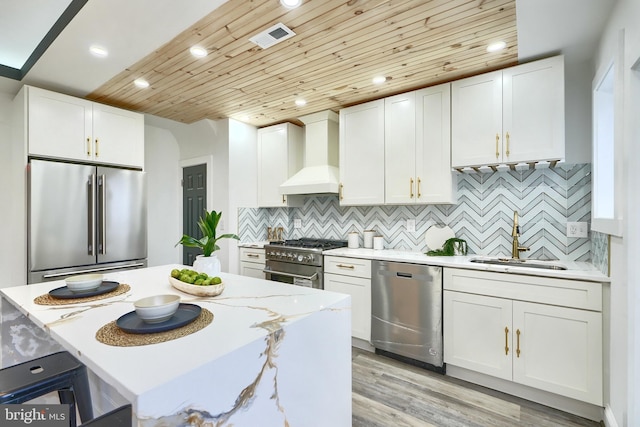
(575, 270)
(258, 245)
(172, 377)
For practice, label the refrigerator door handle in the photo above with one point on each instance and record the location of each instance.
(102, 185)
(91, 206)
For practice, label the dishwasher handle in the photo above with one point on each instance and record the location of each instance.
(405, 275)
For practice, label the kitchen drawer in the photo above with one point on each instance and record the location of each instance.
(560, 292)
(348, 266)
(252, 255)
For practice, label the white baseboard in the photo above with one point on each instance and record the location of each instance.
(362, 344)
(609, 418)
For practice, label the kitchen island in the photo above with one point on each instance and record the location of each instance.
(273, 355)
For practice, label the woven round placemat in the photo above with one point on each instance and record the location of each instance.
(47, 299)
(110, 334)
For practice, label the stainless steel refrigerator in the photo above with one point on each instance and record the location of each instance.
(84, 218)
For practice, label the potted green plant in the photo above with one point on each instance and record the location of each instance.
(208, 262)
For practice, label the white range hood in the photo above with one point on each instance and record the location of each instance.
(320, 172)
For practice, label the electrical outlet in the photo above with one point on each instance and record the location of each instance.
(411, 225)
(577, 229)
(297, 223)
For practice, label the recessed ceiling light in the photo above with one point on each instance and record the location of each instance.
(494, 47)
(141, 83)
(378, 80)
(291, 4)
(301, 102)
(198, 52)
(98, 51)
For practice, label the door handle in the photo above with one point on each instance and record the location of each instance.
(102, 185)
(411, 188)
(518, 342)
(314, 276)
(508, 152)
(351, 267)
(419, 182)
(91, 214)
(506, 341)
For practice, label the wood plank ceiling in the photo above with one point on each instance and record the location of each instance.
(339, 46)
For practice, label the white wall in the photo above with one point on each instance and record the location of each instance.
(230, 146)
(578, 78)
(163, 191)
(243, 178)
(622, 407)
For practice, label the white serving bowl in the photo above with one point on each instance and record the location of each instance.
(157, 308)
(84, 282)
(201, 291)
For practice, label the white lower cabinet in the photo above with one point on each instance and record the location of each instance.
(554, 346)
(353, 277)
(252, 262)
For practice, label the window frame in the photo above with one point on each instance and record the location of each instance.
(609, 225)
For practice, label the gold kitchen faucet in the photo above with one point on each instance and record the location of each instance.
(516, 248)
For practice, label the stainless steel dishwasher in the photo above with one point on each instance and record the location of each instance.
(406, 311)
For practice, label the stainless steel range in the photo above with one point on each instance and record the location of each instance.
(298, 262)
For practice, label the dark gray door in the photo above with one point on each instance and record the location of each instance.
(194, 205)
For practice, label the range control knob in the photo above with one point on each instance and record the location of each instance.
(300, 258)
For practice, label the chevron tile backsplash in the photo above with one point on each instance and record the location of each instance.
(545, 198)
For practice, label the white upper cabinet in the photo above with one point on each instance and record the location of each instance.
(362, 154)
(279, 157)
(397, 150)
(418, 150)
(64, 127)
(117, 136)
(515, 115)
(400, 180)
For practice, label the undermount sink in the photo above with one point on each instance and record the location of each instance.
(527, 263)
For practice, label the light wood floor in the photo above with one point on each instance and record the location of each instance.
(389, 393)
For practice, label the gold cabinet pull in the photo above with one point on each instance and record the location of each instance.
(506, 341)
(507, 144)
(518, 342)
(351, 267)
(340, 191)
(88, 147)
(497, 146)
(97, 147)
(419, 181)
(411, 187)
(283, 200)
(253, 255)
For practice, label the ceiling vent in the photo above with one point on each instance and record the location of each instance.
(272, 35)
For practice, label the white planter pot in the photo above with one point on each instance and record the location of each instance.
(209, 265)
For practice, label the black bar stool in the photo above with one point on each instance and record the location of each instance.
(59, 372)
